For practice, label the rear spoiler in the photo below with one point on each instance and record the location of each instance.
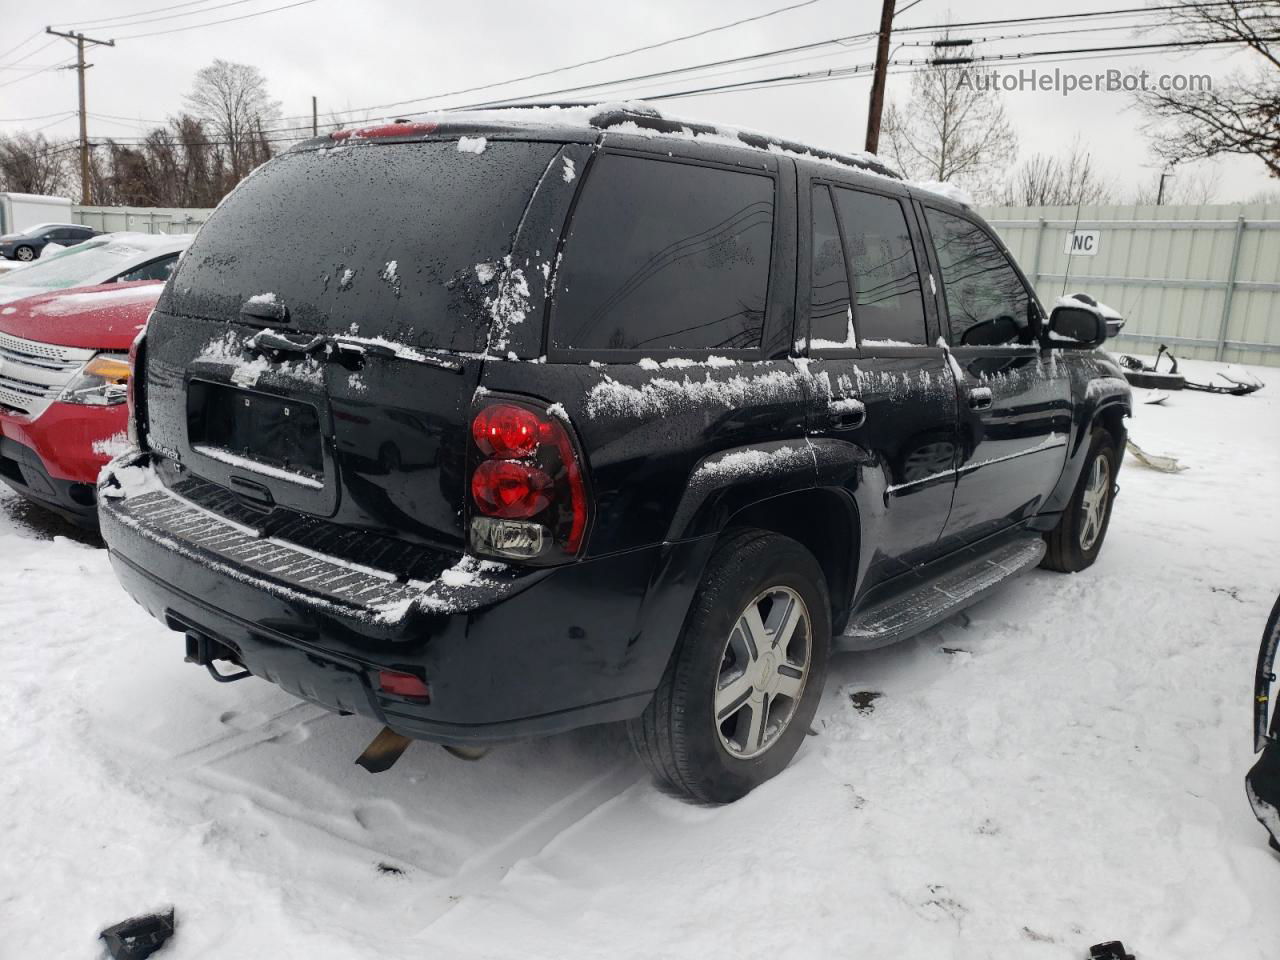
(1263, 680)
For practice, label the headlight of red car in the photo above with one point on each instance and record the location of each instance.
(102, 381)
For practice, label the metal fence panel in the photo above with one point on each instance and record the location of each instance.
(142, 219)
(1204, 279)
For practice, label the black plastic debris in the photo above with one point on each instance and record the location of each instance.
(138, 937)
(1111, 950)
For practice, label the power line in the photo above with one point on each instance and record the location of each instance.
(574, 66)
(30, 54)
(174, 16)
(214, 23)
(136, 13)
(20, 45)
(793, 49)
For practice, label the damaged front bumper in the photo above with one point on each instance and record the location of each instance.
(1263, 781)
(506, 653)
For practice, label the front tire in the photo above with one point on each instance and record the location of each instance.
(25, 254)
(744, 683)
(1075, 542)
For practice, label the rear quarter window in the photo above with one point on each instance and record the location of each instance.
(665, 256)
(394, 240)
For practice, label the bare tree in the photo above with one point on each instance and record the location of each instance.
(1240, 115)
(29, 163)
(953, 129)
(232, 99)
(1050, 180)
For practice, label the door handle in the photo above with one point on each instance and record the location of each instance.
(846, 413)
(980, 398)
(267, 340)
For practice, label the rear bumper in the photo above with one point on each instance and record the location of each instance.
(507, 654)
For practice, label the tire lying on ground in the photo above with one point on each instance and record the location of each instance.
(1155, 381)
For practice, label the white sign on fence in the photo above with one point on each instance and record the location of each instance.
(1082, 243)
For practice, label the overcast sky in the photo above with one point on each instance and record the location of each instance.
(376, 51)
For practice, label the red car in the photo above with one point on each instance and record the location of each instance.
(64, 372)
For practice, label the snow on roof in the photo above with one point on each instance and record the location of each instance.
(624, 116)
(951, 191)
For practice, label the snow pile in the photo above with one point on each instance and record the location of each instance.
(850, 338)
(131, 480)
(472, 144)
(568, 173)
(267, 298)
(50, 249)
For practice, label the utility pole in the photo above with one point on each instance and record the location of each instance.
(315, 117)
(80, 40)
(1164, 175)
(877, 81)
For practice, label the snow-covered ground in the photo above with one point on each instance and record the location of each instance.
(1060, 766)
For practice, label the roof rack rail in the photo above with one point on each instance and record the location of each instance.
(651, 119)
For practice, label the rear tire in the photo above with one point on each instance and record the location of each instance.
(1075, 542)
(741, 689)
(25, 254)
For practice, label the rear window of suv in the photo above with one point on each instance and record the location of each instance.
(664, 256)
(389, 240)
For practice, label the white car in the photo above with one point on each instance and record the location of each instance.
(104, 259)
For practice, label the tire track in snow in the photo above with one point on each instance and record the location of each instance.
(487, 868)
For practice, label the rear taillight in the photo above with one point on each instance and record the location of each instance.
(133, 394)
(528, 491)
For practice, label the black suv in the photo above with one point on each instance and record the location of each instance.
(525, 420)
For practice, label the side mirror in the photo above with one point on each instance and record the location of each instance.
(1076, 326)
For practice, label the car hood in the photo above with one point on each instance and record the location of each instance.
(105, 317)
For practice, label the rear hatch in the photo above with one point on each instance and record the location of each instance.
(318, 347)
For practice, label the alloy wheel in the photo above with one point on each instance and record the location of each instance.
(1094, 502)
(763, 671)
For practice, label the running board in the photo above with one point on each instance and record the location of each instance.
(906, 614)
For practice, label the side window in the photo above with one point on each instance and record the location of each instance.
(155, 270)
(664, 256)
(888, 303)
(830, 316)
(986, 300)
